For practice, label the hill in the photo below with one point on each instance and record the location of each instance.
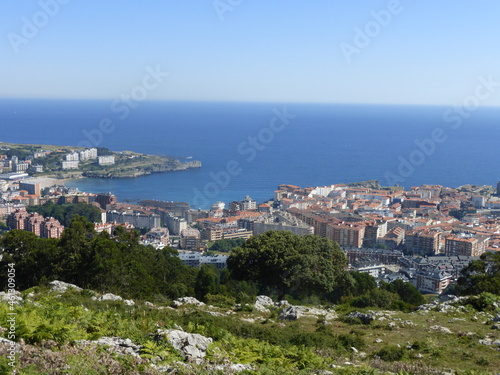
(60, 328)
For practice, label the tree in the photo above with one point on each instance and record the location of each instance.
(481, 275)
(406, 291)
(207, 281)
(287, 263)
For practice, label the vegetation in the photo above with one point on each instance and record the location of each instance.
(286, 263)
(481, 276)
(66, 212)
(398, 340)
(226, 245)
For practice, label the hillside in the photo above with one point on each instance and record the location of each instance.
(63, 329)
(127, 164)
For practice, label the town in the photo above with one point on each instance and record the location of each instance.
(19, 161)
(424, 235)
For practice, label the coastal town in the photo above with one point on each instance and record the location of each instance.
(424, 235)
(21, 161)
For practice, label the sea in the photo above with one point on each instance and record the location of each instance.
(251, 148)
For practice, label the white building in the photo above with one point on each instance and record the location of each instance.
(88, 154)
(70, 165)
(106, 160)
(248, 204)
(74, 156)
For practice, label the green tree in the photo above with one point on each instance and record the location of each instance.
(287, 263)
(406, 291)
(481, 275)
(207, 281)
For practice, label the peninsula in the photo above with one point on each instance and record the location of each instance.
(75, 162)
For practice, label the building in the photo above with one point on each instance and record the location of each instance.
(393, 238)
(38, 168)
(350, 235)
(466, 244)
(248, 204)
(88, 154)
(158, 235)
(197, 260)
(433, 281)
(35, 223)
(21, 167)
(175, 224)
(105, 199)
(423, 242)
(73, 164)
(137, 219)
(74, 156)
(190, 239)
(106, 160)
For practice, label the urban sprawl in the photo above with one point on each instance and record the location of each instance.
(425, 235)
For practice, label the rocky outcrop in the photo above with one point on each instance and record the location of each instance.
(187, 301)
(62, 287)
(365, 318)
(115, 344)
(109, 297)
(193, 347)
(262, 303)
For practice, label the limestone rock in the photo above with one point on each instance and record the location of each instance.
(191, 346)
(187, 301)
(366, 318)
(109, 297)
(290, 313)
(441, 329)
(262, 303)
(61, 286)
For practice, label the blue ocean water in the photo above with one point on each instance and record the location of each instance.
(265, 144)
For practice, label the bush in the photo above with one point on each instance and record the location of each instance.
(391, 353)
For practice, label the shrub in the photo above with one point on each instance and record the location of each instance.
(391, 353)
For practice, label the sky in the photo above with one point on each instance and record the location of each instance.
(325, 51)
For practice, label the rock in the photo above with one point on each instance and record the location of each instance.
(129, 302)
(116, 345)
(496, 343)
(214, 313)
(354, 349)
(486, 342)
(366, 318)
(8, 343)
(408, 323)
(191, 346)
(441, 329)
(262, 303)
(187, 301)
(378, 340)
(290, 313)
(149, 304)
(419, 355)
(453, 320)
(13, 298)
(496, 318)
(109, 297)
(282, 303)
(61, 286)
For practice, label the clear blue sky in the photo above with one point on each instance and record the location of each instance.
(431, 52)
